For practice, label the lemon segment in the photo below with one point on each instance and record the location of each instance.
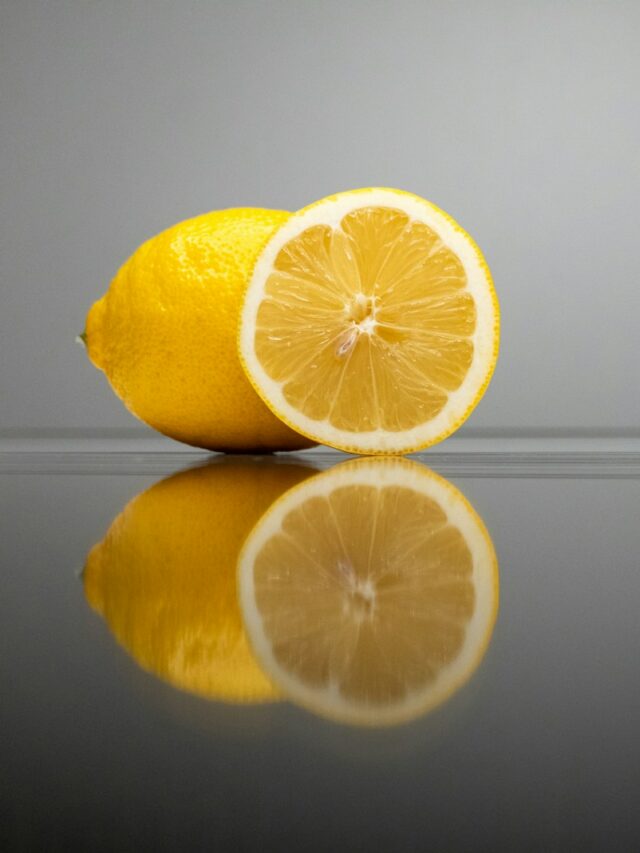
(370, 323)
(369, 592)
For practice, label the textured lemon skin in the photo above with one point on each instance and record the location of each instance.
(164, 576)
(165, 333)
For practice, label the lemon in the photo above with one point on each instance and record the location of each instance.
(164, 577)
(165, 333)
(370, 591)
(371, 323)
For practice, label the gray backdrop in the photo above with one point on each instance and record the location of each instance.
(521, 119)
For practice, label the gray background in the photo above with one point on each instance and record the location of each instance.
(520, 119)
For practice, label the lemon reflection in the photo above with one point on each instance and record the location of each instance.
(366, 593)
(164, 576)
(370, 591)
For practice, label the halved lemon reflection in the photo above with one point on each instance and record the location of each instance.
(369, 592)
(164, 576)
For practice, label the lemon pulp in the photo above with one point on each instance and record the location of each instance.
(389, 300)
(373, 328)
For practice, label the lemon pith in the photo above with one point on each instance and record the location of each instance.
(371, 323)
(165, 333)
(164, 576)
(370, 592)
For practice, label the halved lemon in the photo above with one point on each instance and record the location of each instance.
(369, 592)
(371, 323)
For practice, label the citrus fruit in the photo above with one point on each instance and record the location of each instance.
(370, 591)
(370, 323)
(165, 333)
(164, 576)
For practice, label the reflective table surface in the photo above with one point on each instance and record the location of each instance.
(313, 652)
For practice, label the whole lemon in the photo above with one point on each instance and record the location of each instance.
(165, 333)
(164, 576)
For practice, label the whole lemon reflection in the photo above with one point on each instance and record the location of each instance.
(370, 591)
(164, 576)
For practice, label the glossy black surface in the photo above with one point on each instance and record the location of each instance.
(538, 751)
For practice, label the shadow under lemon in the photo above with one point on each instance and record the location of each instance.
(164, 576)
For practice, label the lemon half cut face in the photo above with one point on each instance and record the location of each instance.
(369, 592)
(371, 323)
